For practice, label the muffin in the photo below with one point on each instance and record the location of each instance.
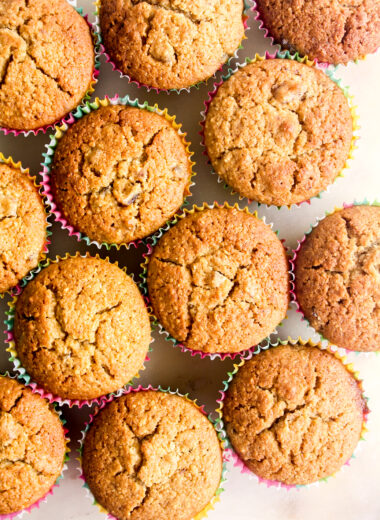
(337, 280)
(32, 447)
(46, 62)
(81, 328)
(294, 414)
(218, 280)
(278, 131)
(120, 173)
(152, 455)
(168, 44)
(332, 31)
(22, 226)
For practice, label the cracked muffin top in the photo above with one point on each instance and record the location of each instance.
(152, 455)
(337, 278)
(278, 131)
(46, 62)
(32, 446)
(218, 280)
(81, 328)
(22, 226)
(171, 44)
(333, 31)
(294, 414)
(120, 173)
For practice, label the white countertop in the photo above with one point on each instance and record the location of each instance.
(353, 493)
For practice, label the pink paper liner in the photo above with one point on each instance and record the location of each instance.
(25, 378)
(216, 424)
(239, 463)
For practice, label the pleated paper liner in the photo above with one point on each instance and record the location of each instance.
(68, 118)
(96, 26)
(221, 435)
(23, 376)
(293, 259)
(285, 55)
(239, 463)
(273, 41)
(60, 131)
(45, 250)
(43, 500)
(152, 241)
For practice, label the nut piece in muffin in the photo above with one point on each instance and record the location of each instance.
(218, 281)
(120, 173)
(32, 447)
(22, 226)
(337, 279)
(333, 31)
(294, 414)
(278, 131)
(171, 44)
(151, 455)
(46, 62)
(81, 328)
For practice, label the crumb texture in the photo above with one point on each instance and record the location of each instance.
(171, 44)
(120, 173)
(22, 226)
(218, 280)
(81, 328)
(46, 61)
(278, 131)
(338, 278)
(152, 455)
(32, 446)
(333, 31)
(294, 414)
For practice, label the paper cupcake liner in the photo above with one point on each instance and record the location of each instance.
(239, 463)
(45, 250)
(216, 423)
(42, 500)
(286, 55)
(81, 111)
(293, 260)
(21, 373)
(152, 241)
(96, 26)
(68, 118)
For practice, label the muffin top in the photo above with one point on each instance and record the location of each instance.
(294, 414)
(335, 31)
(218, 280)
(22, 226)
(338, 279)
(46, 62)
(150, 453)
(32, 446)
(278, 131)
(120, 173)
(81, 328)
(171, 44)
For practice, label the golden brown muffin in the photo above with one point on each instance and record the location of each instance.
(81, 328)
(171, 44)
(218, 280)
(278, 131)
(151, 455)
(32, 446)
(46, 62)
(22, 226)
(335, 31)
(120, 173)
(294, 414)
(338, 279)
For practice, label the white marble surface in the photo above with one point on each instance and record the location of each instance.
(353, 493)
